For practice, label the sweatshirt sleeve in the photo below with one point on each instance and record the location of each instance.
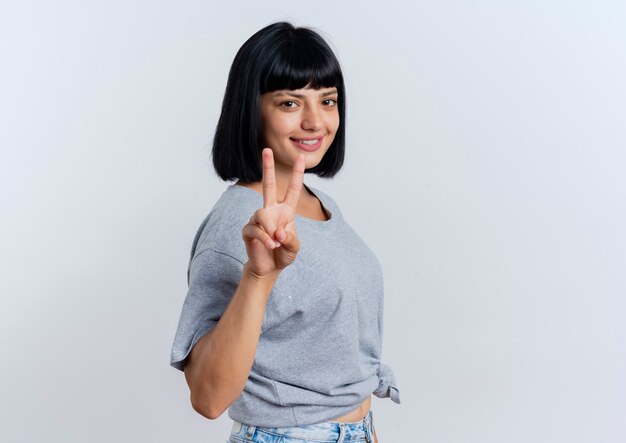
(213, 280)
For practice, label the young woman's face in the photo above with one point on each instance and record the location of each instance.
(302, 120)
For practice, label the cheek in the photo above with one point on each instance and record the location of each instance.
(279, 126)
(333, 119)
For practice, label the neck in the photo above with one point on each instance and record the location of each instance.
(283, 176)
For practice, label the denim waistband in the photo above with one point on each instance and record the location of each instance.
(329, 431)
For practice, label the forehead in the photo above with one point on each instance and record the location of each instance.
(301, 93)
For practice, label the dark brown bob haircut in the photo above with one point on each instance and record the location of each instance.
(279, 56)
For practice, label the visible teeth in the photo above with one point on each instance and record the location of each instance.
(308, 142)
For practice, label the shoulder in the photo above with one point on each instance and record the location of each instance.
(220, 230)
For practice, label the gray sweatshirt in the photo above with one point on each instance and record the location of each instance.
(319, 350)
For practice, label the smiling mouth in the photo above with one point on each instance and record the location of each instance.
(309, 142)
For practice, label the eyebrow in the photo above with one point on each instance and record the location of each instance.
(323, 94)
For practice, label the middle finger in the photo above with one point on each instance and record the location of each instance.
(269, 178)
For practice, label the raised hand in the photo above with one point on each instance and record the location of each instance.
(270, 236)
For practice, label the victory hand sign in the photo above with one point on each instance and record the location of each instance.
(270, 236)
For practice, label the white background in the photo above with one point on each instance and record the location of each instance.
(485, 167)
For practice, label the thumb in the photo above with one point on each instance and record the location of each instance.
(288, 239)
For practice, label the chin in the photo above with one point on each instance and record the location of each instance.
(312, 159)
(311, 164)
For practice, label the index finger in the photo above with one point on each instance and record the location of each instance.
(295, 183)
(269, 178)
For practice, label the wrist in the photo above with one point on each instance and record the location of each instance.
(257, 279)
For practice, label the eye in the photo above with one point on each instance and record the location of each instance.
(288, 107)
(332, 100)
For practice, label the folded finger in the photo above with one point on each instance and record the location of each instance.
(263, 219)
(250, 232)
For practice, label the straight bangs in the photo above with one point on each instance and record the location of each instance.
(299, 64)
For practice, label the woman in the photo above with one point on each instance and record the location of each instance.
(282, 323)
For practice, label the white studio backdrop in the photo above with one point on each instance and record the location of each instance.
(485, 167)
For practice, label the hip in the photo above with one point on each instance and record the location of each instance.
(329, 431)
(358, 414)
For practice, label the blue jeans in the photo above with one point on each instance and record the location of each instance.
(326, 432)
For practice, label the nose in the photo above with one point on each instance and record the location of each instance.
(311, 119)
